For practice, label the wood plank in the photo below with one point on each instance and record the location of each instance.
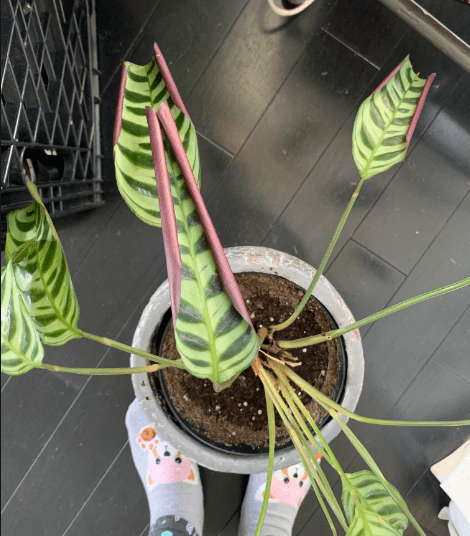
(223, 495)
(380, 29)
(231, 529)
(434, 179)
(398, 346)
(290, 138)
(365, 282)
(116, 33)
(249, 68)
(188, 33)
(454, 353)
(118, 506)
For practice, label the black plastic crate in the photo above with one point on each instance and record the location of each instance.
(50, 105)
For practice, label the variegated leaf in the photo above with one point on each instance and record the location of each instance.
(373, 496)
(22, 349)
(386, 120)
(42, 274)
(141, 86)
(368, 523)
(213, 332)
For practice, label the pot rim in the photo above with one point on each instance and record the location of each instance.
(247, 259)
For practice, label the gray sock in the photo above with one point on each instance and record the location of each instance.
(289, 486)
(170, 479)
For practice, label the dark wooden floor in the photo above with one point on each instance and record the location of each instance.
(273, 102)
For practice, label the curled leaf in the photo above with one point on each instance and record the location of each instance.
(213, 330)
(386, 120)
(22, 349)
(142, 86)
(41, 272)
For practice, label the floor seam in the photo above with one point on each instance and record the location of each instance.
(378, 256)
(351, 49)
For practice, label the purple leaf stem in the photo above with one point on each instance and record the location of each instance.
(418, 108)
(120, 104)
(169, 82)
(223, 266)
(167, 211)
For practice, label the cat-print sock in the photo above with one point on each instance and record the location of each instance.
(171, 480)
(289, 487)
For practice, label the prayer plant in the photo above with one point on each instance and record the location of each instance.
(157, 169)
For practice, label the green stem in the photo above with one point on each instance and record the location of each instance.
(272, 444)
(375, 469)
(102, 371)
(312, 471)
(316, 339)
(301, 305)
(294, 402)
(306, 461)
(129, 349)
(324, 400)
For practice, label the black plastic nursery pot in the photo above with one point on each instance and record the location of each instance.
(196, 429)
(186, 435)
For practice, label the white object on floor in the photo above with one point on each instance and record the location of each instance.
(453, 473)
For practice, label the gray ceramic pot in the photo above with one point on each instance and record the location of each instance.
(246, 259)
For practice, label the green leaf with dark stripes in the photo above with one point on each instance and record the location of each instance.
(141, 86)
(373, 496)
(22, 349)
(369, 523)
(212, 337)
(41, 272)
(386, 120)
(213, 333)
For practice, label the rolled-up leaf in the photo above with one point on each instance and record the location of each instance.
(374, 497)
(142, 86)
(386, 120)
(41, 272)
(214, 334)
(22, 349)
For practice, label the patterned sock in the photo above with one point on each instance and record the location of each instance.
(171, 480)
(289, 486)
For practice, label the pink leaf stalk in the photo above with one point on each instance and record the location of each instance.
(169, 82)
(119, 107)
(167, 211)
(419, 107)
(223, 266)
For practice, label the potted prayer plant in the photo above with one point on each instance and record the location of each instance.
(204, 320)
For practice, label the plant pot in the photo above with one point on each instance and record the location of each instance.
(245, 259)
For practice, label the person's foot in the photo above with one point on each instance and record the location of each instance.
(171, 480)
(289, 487)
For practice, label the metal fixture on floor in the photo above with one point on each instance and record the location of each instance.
(50, 105)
